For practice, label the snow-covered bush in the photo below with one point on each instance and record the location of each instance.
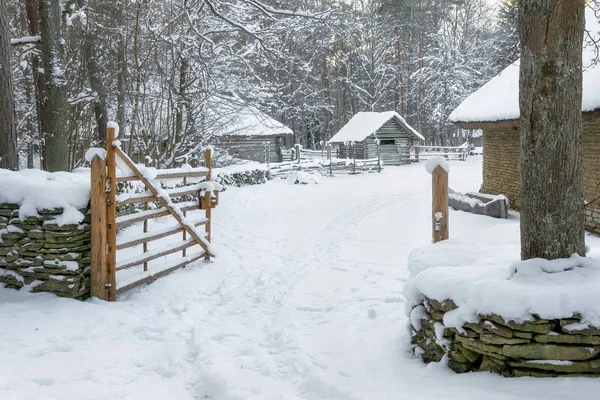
(302, 178)
(241, 175)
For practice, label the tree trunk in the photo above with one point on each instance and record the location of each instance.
(56, 144)
(552, 217)
(90, 51)
(8, 130)
(121, 75)
(33, 17)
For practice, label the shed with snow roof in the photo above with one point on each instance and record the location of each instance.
(396, 137)
(494, 108)
(243, 130)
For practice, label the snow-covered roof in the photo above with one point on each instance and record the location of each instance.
(232, 117)
(498, 100)
(364, 124)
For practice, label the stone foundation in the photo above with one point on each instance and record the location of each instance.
(540, 348)
(41, 256)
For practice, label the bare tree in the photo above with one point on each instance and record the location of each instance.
(552, 218)
(8, 134)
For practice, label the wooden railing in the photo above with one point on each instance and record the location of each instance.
(449, 152)
(106, 241)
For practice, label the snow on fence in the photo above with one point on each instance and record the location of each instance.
(322, 161)
(448, 152)
(106, 242)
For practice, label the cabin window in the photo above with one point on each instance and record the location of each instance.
(387, 142)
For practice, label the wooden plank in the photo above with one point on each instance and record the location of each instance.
(160, 212)
(166, 175)
(147, 280)
(439, 205)
(208, 208)
(154, 254)
(150, 186)
(145, 247)
(148, 196)
(141, 198)
(111, 236)
(183, 253)
(99, 272)
(151, 236)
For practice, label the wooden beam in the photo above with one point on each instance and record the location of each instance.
(151, 236)
(207, 194)
(99, 272)
(153, 255)
(152, 278)
(150, 214)
(439, 212)
(166, 175)
(111, 226)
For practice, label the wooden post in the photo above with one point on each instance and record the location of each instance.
(330, 160)
(353, 157)
(208, 161)
(378, 156)
(440, 204)
(146, 164)
(297, 147)
(184, 252)
(111, 227)
(98, 271)
(417, 151)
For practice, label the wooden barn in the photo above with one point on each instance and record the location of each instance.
(396, 137)
(494, 108)
(243, 130)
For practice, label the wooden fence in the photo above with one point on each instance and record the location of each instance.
(323, 162)
(450, 153)
(157, 201)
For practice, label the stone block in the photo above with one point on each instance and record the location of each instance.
(542, 351)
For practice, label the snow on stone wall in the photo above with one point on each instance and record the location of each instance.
(474, 305)
(39, 255)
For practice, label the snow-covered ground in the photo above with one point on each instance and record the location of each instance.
(304, 302)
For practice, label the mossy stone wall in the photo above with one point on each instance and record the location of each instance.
(540, 348)
(41, 256)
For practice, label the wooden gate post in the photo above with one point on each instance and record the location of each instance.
(377, 143)
(330, 159)
(353, 146)
(99, 272)
(439, 204)
(208, 202)
(111, 227)
(297, 147)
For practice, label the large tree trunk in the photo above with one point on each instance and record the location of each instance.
(552, 218)
(55, 110)
(122, 74)
(33, 17)
(8, 130)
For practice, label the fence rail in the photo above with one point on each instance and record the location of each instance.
(449, 152)
(106, 241)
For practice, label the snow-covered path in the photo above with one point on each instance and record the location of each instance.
(304, 302)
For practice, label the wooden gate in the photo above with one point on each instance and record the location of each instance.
(109, 237)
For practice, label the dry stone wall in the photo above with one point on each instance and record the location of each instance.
(540, 348)
(41, 256)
